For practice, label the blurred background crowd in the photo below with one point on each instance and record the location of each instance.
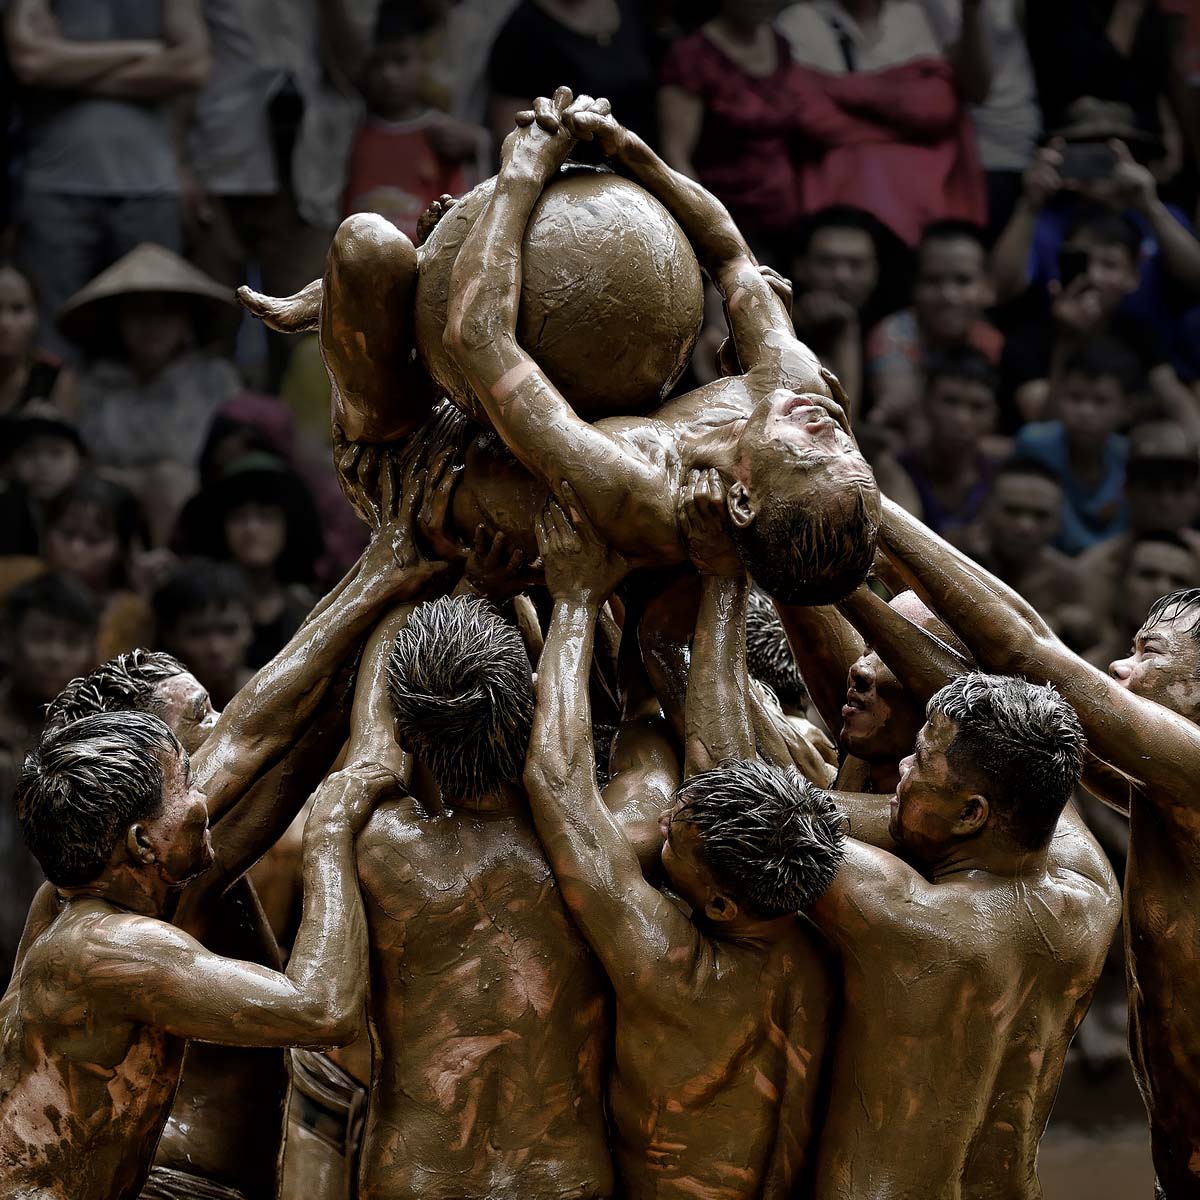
(987, 208)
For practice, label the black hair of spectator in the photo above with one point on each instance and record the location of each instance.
(1020, 467)
(7, 262)
(52, 595)
(961, 362)
(837, 216)
(1164, 537)
(401, 19)
(197, 586)
(119, 508)
(1103, 357)
(953, 229)
(1108, 229)
(221, 428)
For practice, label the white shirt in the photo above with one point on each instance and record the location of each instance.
(816, 29)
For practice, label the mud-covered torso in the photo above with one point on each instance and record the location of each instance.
(1162, 933)
(714, 1087)
(84, 1095)
(489, 1016)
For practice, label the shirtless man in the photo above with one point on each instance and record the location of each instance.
(802, 500)
(489, 1014)
(1140, 719)
(965, 977)
(225, 1133)
(722, 1017)
(92, 1037)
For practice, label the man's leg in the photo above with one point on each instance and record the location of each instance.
(60, 240)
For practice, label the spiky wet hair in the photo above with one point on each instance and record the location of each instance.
(1183, 603)
(462, 692)
(86, 782)
(126, 683)
(1024, 744)
(769, 658)
(771, 837)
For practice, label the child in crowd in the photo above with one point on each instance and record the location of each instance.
(259, 516)
(93, 533)
(951, 471)
(1014, 536)
(43, 456)
(204, 614)
(1101, 258)
(406, 153)
(951, 293)
(47, 637)
(1094, 400)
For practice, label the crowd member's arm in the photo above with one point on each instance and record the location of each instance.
(1010, 255)
(259, 724)
(613, 483)
(971, 54)
(152, 972)
(183, 64)
(41, 57)
(1144, 740)
(625, 920)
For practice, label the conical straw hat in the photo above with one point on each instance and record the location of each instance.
(148, 268)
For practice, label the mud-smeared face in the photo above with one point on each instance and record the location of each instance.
(928, 807)
(1164, 665)
(179, 833)
(683, 860)
(186, 708)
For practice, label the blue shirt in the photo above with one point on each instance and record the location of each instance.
(1090, 514)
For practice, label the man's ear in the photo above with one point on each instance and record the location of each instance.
(138, 847)
(974, 815)
(740, 505)
(720, 907)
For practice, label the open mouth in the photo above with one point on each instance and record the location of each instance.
(854, 704)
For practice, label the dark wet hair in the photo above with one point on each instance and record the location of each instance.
(769, 657)
(199, 585)
(1183, 603)
(1105, 356)
(801, 553)
(126, 683)
(85, 784)
(768, 835)
(52, 595)
(1022, 741)
(836, 216)
(462, 691)
(960, 362)
(1108, 229)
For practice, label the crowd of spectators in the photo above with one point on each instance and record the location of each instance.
(986, 207)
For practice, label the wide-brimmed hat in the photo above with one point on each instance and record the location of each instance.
(148, 269)
(1090, 119)
(266, 479)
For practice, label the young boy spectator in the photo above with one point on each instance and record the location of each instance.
(950, 296)
(44, 454)
(48, 628)
(1106, 249)
(204, 614)
(1083, 445)
(950, 470)
(406, 153)
(1014, 536)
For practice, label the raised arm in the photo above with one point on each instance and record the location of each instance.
(825, 646)
(372, 719)
(1007, 636)
(628, 923)
(260, 722)
(149, 971)
(526, 409)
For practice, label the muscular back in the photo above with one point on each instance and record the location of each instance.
(488, 1016)
(715, 1088)
(84, 1095)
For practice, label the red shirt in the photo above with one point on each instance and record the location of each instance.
(394, 171)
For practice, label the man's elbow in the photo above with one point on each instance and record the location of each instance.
(473, 331)
(30, 67)
(332, 1023)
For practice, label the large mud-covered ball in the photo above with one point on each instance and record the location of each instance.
(611, 296)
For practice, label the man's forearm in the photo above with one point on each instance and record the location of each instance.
(997, 624)
(372, 718)
(174, 69)
(972, 55)
(718, 703)
(328, 963)
(1180, 249)
(825, 646)
(1010, 256)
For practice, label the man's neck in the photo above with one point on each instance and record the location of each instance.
(1087, 458)
(752, 933)
(992, 856)
(134, 891)
(716, 447)
(505, 799)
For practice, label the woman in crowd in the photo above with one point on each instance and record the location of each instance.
(26, 371)
(259, 516)
(93, 534)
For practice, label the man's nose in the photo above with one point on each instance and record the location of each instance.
(862, 675)
(1120, 669)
